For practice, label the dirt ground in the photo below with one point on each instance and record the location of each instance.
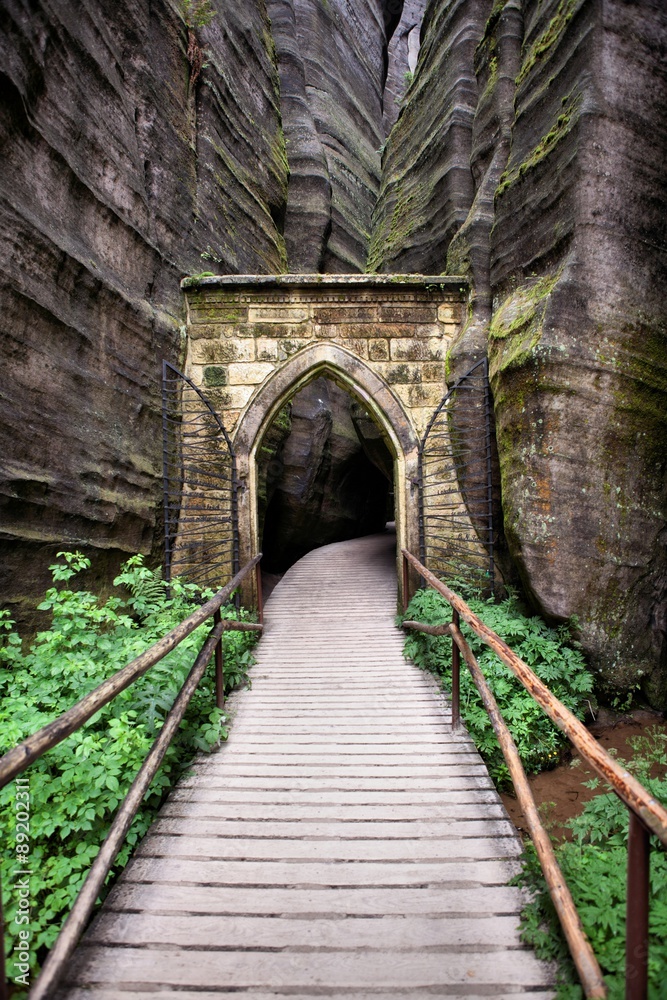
(561, 792)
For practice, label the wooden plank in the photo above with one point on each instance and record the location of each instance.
(209, 848)
(485, 825)
(285, 970)
(316, 901)
(265, 721)
(152, 993)
(220, 807)
(444, 933)
(358, 739)
(218, 779)
(261, 769)
(398, 774)
(343, 797)
(338, 759)
(337, 873)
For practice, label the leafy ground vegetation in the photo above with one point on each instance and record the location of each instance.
(545, 650)
(76, 788)
(594, 862)
(594, 866)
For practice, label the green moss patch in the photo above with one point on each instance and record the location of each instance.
(215, 376)
(557, 25)
(561, 128)
(516, 328)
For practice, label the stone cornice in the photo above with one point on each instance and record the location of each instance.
(441, 281)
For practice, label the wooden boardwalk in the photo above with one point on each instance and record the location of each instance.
(342, 844)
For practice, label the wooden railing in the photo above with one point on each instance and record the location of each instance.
(21, 756)
(646, 814)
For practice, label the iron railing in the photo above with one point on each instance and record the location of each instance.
(456, 483)
(200, 485)
(21, 756)
(647, 816)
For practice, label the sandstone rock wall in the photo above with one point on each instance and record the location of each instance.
(402, 55)
(332, 68)
(427, 185)
(578, 339)
(561, 230)
(120, 169)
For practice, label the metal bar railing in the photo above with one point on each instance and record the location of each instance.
(21, 756)
(646, 814)
(260, 593)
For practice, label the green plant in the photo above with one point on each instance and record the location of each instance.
(210, 254)
(595, 869)
(197, 13)
(74, 790)
(544, 649)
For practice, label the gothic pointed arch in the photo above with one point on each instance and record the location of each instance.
(344, 368)
(353, 374)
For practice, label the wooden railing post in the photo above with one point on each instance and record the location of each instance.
(636, 919)
(647, 815)
(16, 760)
(456, 675)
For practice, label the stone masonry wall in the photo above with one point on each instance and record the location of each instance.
(241, 332)
(255, 340)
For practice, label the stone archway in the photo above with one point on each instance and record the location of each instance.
(254, 340)
(353, 375)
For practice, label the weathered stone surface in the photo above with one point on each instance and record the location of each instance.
(427, 186)
(402, 55)
(326, 488)
(402, 328)
(308, 219)
(332, 67)
(578, 337)
(497, 64)
(561, 232)
(119, 170)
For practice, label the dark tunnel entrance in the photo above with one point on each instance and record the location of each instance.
(325, 473)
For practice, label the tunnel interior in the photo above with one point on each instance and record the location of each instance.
(325, 473)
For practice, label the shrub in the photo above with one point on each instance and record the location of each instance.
(545, 650)
(76, 788)
(595, 869)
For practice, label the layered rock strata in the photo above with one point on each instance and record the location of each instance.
(578, 338)
(427, 185)
(402, 56)
(562, 234)
(333, 59)
(132, 148)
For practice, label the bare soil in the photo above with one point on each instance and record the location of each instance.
(561, 793)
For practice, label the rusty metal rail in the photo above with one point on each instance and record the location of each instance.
(646, 814)
(21, 756)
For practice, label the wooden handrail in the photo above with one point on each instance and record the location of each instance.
(626, 786)
(84, 904)
(578, 943)
(21, 756)
(645, 812)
